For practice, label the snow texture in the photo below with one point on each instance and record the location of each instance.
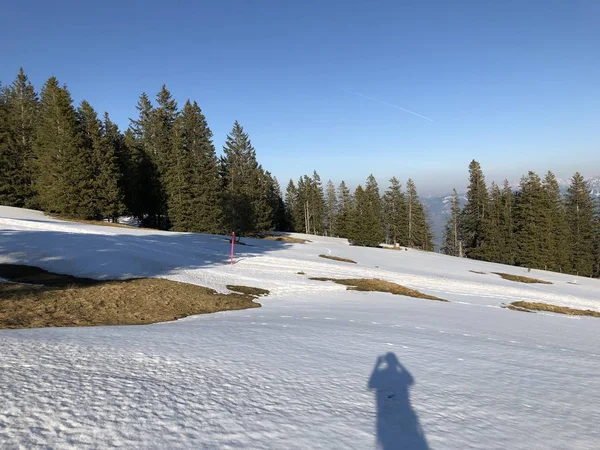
(316, 367)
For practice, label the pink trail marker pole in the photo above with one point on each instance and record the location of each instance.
(232, 244)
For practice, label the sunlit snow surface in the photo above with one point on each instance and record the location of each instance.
(300, 371)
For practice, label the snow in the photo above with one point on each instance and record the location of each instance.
(296, 372)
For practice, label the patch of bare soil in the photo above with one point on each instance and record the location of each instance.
(377, 285)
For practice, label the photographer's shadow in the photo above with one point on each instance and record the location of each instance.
(398, 425)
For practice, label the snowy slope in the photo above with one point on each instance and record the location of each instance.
(295, 373)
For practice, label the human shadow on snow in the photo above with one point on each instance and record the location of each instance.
(124, 254)
(398, 425)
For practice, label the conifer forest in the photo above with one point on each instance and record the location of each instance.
(70, 161)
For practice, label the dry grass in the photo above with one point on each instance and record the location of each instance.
(521, 279)
(53, 300)
(247, 290)
(476, 271)
(300, 273)
(377, 285)
(282, 238)
(337, 258)
(535, 306)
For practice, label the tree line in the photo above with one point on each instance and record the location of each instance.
(534, 226)
(164, 170)
(364, 217)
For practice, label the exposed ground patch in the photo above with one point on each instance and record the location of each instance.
(93, 222)
(521, 279)
(35, 298)
(377, 285)
(478, 272)
(254, 291)
(283, 238)
(337, 258)
(535, 306)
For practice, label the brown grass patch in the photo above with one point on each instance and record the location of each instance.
(521, 279)
(300, 273)
(337, 258)
(476, 271)
(254, 291)
(377, 285)
(535, 306)
(53, 300)
(281, 238)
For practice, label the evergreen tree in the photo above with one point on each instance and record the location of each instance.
(343, 220)
(20, 115)
(262, 197)
(555, 241)
(330, 209)
(474, 213)
(291, 201)
(317, 204)
(143, 182)
(395, 212)
(63, 169)
(452, 243)
(367, 229)
(531, 222)
(160, 147)
(279, 218)
(507, 226)
(193, 182)
(7, 196)
(492, 247)
(580, 224)
(239, 170)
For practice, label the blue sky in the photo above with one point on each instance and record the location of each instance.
(320, 84)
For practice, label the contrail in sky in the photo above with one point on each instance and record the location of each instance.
(393, 106)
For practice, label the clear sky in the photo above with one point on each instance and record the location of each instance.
(406, 88)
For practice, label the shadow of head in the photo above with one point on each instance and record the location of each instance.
(397, 424)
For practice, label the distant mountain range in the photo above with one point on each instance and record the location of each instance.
(439, 206)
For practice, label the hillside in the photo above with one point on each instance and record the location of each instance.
(299, 372)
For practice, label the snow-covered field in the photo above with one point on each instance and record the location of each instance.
(299, 372)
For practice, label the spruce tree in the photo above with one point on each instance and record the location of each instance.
(507, 225)
(343, 220)
(330, 208)
(395, 212)
(555, 243)
(580, 224)
(531, 222)
(493, 246)
(452, 243)
(291, 200)
(7, 196)
(474, 225)
(193, 182)
(368, 228)
(63, 164)
(239, 170)
(142, 180)
(20, 114)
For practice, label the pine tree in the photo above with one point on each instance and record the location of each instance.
(193, 182)
(395, 212)
(474, 226)
(580, 223)
(20, 115)
(239, 170)
(279, 214)
(63, 168)
(492, 247)
(330, 208)
(452, 243)
(7, 196)
(317, 204)
(262, 201)
(345, 207)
